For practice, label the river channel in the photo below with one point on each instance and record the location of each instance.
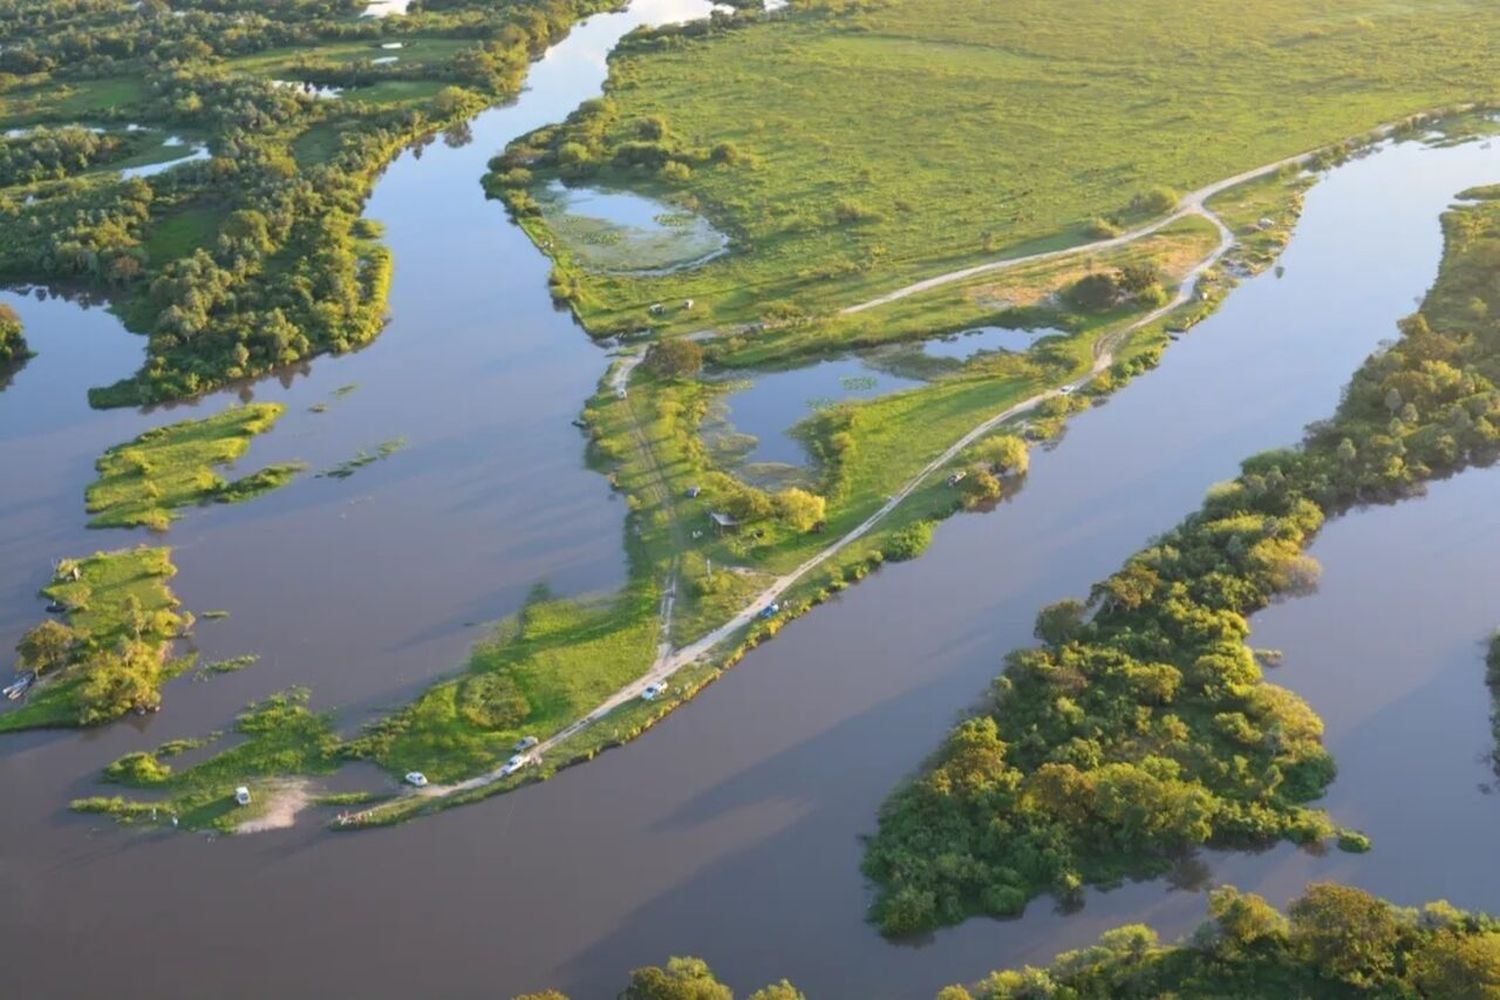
(732, 830)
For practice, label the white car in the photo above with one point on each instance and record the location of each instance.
(513, 765)
(653, 692)
(1066, 390)
(416, 779)
(525, 743)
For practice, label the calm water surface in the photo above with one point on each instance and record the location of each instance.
(732, 830)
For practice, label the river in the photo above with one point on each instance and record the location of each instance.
(731, 830)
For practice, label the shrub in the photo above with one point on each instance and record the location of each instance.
(910, 542)
(492, 701)
(677, 358)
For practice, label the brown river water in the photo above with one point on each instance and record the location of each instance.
(732, 830)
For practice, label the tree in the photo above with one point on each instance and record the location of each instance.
(47, 647)
(1095, 292)
(1243, 919)
(778, 991)
(676, 358)
(1006, 455)
(799, 508)
(1136, 278)
(1346, 932)
(682, 979)
(1459, 966)
(119, 682)
(1058, 624)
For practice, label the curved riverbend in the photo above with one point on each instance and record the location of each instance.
(732, 831)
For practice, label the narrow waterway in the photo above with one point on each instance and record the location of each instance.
(732, 830)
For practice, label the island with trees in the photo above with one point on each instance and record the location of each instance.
(1142, 726)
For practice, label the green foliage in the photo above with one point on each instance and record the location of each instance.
(278, 737)
(909, 542)
(800, 509)
(362, 458)
(1340, 943)
(1143, 726)
(845, 181)
(677, 358)
(254, 257)
(109, 659)
(13, 349)
(165, 468)
(681, 979)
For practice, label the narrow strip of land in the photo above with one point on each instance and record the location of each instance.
(670, 661)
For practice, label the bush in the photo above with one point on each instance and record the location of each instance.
(910, 542)
(492, 701)
(851, 213)
(1095, 292)
(678, 358)
(1157, 201)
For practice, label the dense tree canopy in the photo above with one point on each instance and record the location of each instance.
(1142, 726)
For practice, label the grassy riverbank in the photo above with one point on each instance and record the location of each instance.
(111, 656)
(849, 148)
(145, 481)
(1142, 726)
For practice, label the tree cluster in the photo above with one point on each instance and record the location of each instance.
(1142, 726)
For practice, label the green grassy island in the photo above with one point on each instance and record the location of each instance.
(109, 654)
(144, 481)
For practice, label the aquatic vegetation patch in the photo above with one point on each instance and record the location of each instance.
(362, 458)
(145, 481)
(621, 233)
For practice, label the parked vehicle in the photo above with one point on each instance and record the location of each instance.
(653, 692)
(770, 610)
(525, 743)
(416, 779)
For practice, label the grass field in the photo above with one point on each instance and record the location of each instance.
(910, 137)
(144, 481)
(184, 230)
(69, 102)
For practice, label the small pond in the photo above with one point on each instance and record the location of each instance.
(627, 233)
